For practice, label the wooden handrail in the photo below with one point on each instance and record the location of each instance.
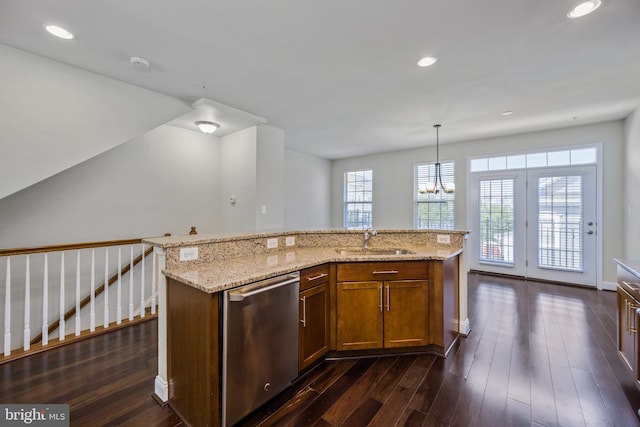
(67, 247)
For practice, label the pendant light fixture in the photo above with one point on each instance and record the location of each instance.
(438, 187)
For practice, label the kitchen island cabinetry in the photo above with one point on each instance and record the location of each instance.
(313, 337)
(627, 330)
(414, 293)
(628, 298)
(193, 358)
(388, 311)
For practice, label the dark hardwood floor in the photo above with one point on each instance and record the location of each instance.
(538, 355)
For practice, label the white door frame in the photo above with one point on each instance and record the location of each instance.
(473, 197)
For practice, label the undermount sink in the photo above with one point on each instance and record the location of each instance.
(374, 251)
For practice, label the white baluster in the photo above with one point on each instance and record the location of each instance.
(26, 341)
(78, 294)
(61, 326)
(153, 283)
(131, 284)
(45, 301)
(119, 302)
(7, 310)
(105, 322)
(92, 322)
(142, 304)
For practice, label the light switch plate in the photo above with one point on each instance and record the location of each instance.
(189, 254)
(444, 239)
(290, 241)
(272, 243)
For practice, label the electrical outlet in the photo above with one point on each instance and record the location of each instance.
(444, 239)
(264, 209)
(189, 254)
(272, 243)
(290, 241)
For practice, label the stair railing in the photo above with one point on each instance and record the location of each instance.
(48, 288)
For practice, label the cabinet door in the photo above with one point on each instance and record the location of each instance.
(626, 329)
(406, 320)
(359, 315)
(314, 325)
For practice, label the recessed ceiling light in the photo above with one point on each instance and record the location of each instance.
(57, 31)
(140, 64)
(427, 61)
(507, 113)
(207, 127)
(584, 8)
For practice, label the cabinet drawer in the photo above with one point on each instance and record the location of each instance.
(383, 270)
(310, 277)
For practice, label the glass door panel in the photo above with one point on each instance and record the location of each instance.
(562, 235)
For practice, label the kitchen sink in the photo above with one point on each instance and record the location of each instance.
(351, 252)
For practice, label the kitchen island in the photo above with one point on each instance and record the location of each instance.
(405, 293)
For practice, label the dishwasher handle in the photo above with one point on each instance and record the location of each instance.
(238, 295)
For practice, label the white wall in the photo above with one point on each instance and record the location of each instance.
(631, 186)
(308, 192)
(163, 181)
(54, 116)
(237, 175)
(270, 172)
(393, 177)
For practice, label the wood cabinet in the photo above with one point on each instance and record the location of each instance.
(627, 330)
(193, 346)
(313, 329)
(389, 312)
(628, 302)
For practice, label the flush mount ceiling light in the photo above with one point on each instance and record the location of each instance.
(507, 113)
(427, 61)
(207, 127)
(58, 31)
(140, 64)
(584, 8)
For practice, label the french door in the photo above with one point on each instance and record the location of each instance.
(536, 223)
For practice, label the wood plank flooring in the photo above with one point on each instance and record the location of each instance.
(538, 355)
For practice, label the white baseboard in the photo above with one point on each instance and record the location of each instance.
(465, 327)
(162, 389)
(609, 286)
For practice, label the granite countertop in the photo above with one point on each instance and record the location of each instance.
(219, 275)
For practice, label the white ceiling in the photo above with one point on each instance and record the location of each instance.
(340, 77)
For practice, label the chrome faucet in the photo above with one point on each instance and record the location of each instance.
(368, 233)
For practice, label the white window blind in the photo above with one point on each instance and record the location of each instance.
(358, 198)
(434, 211)
(496, 220)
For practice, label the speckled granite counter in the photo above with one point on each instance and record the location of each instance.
(227, 261)
(219, 275)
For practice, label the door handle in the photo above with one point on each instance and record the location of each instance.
(304, 311)
(388, 298)
(589, 232)
(380, 306)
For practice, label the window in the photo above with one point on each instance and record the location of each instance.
(496, 220)
(570, 157)
(358, 196)
(434, 211)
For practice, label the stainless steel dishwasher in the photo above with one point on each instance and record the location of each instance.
(259, 344)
